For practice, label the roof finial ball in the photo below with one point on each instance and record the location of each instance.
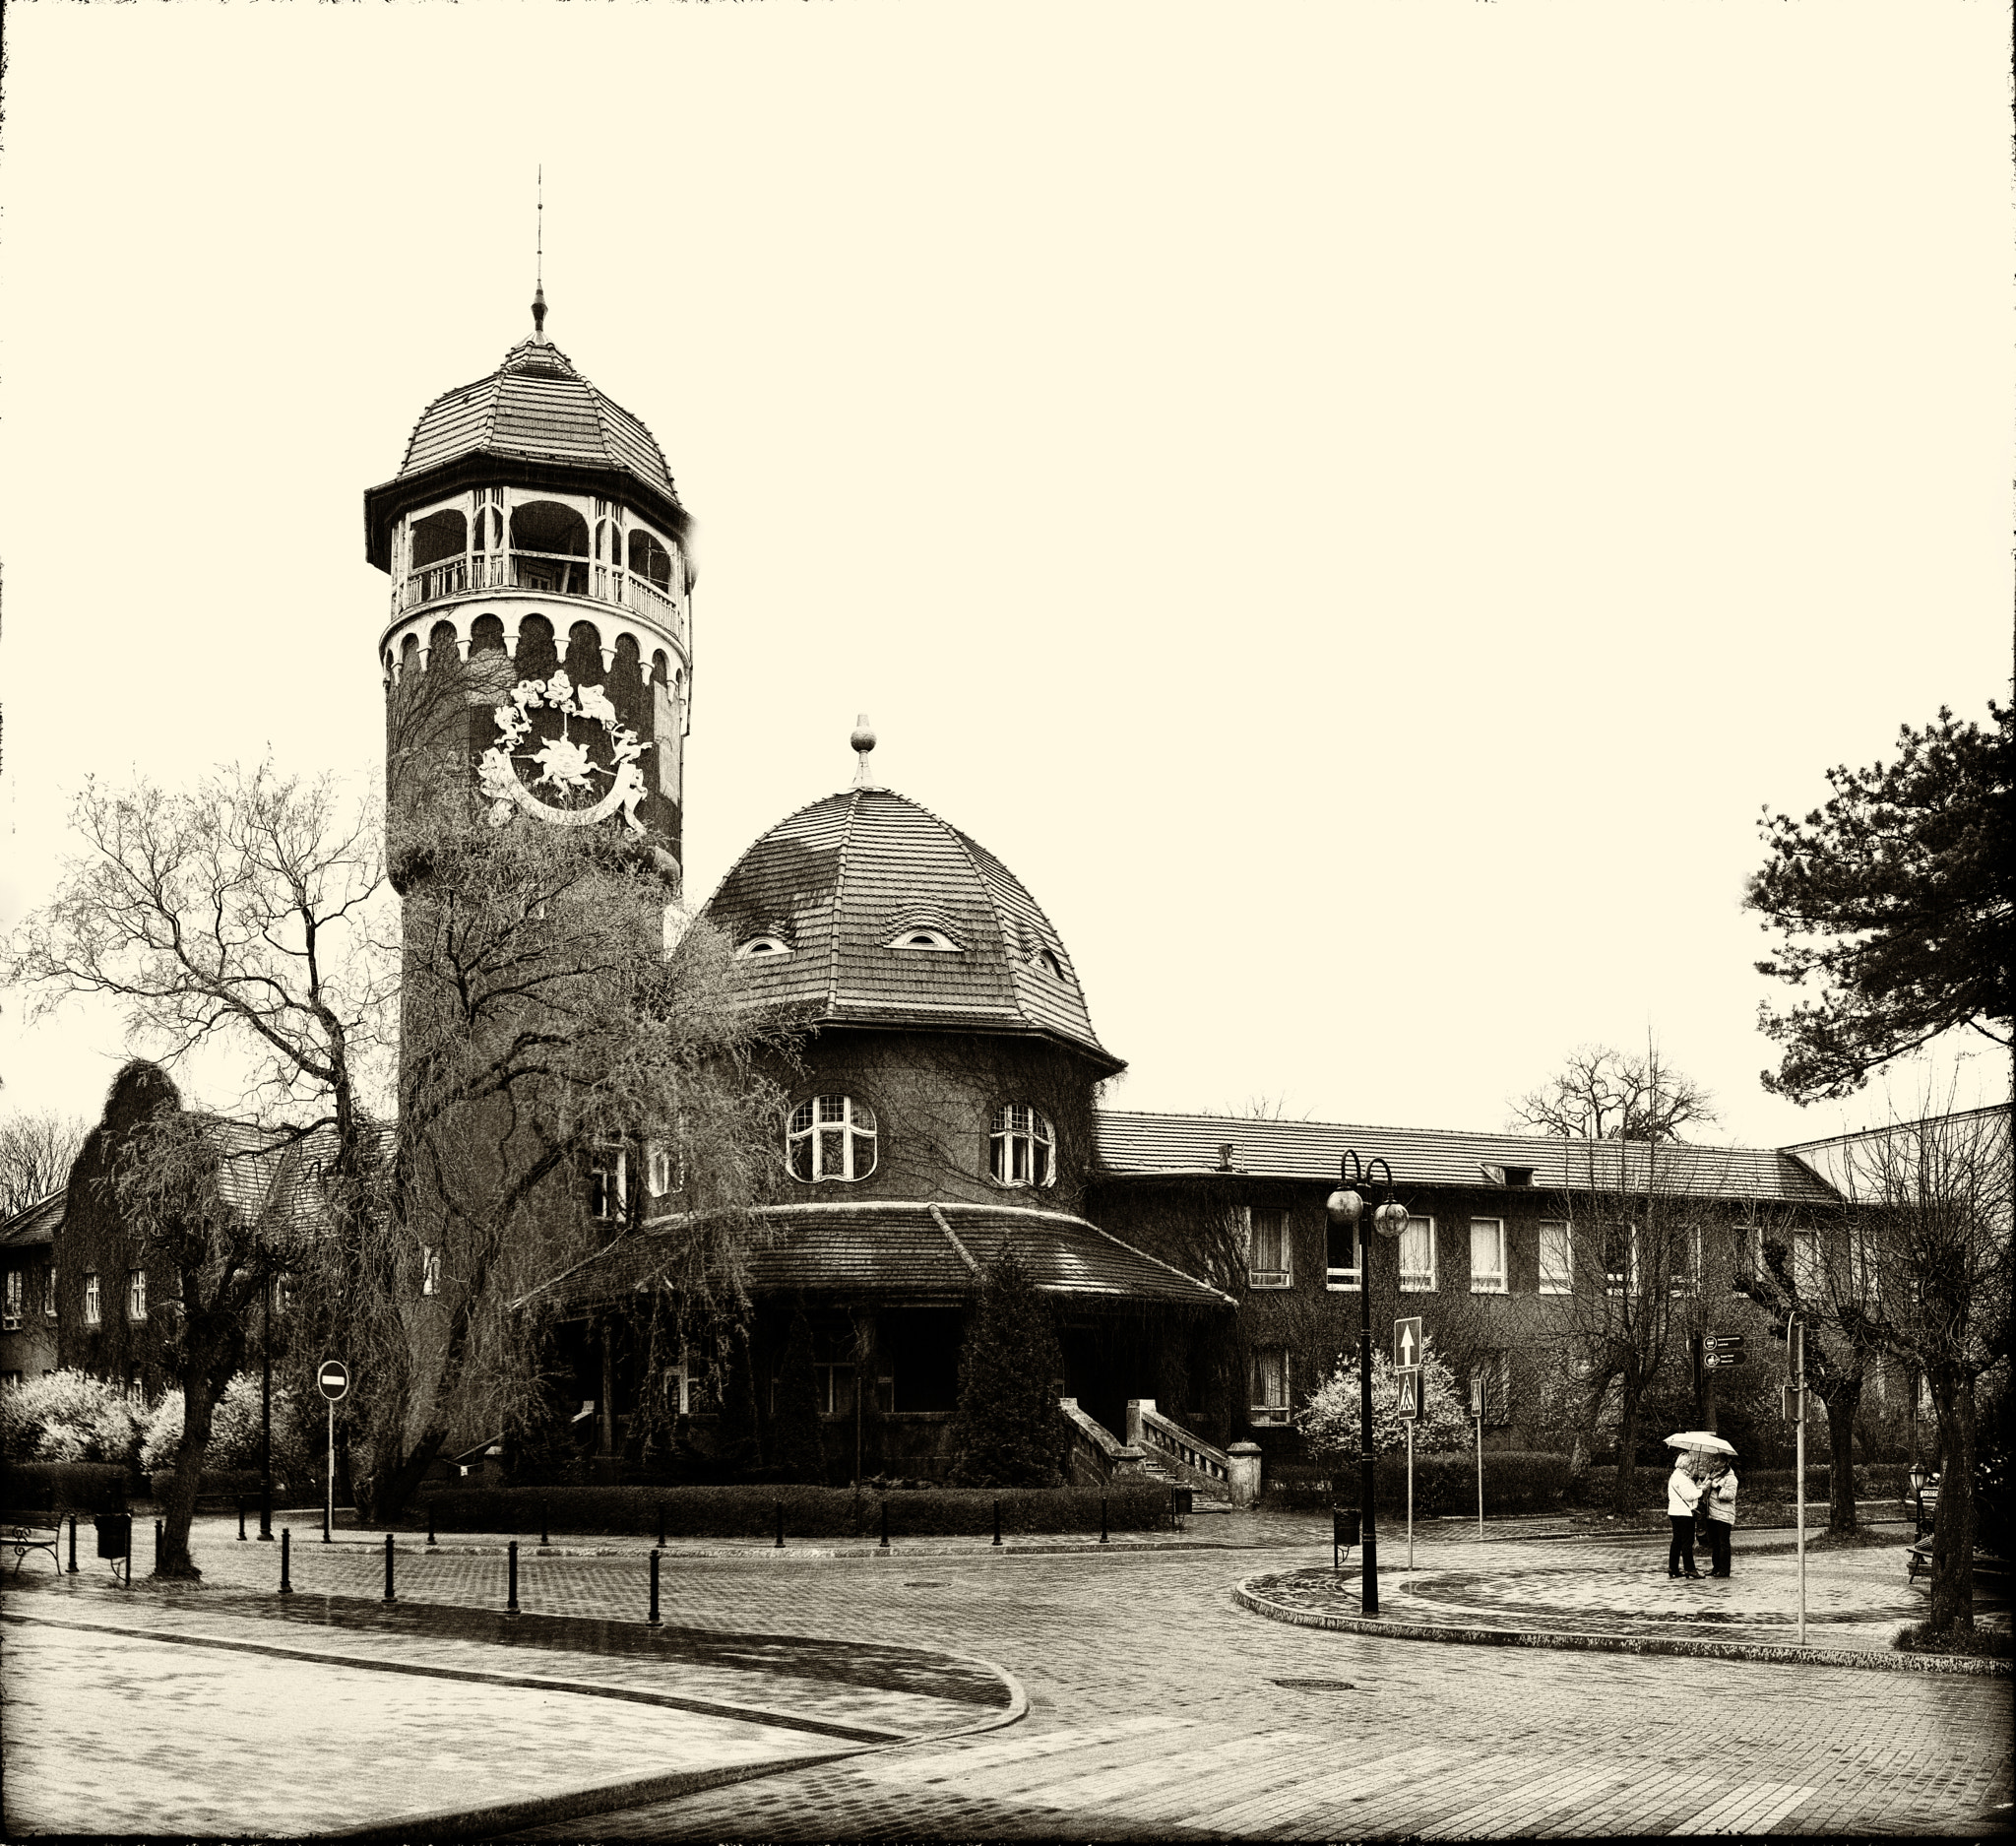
(538, 313)
(862, 742)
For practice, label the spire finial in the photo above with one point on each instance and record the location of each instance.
(538, 287)
(862, 741)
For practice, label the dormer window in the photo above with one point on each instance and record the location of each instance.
(757, 948)
(1022, 1147)
(1049, 964)
(923, 937)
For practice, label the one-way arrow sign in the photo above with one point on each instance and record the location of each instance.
(1407, 1343)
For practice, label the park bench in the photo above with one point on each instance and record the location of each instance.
(33, 1532)
(1918, 1561)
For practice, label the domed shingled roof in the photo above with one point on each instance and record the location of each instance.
(833, 893)
(536, 415)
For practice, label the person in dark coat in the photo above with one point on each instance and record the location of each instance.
(1719, 1502)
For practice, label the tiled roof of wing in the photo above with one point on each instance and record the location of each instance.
(1142, 1144)
(34, 1224)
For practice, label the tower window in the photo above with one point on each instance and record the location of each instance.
(650, 560)
(759, 947)
(831, 1137)
(922, 937)
(1022, 1149)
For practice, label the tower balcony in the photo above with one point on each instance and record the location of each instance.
(546, 573)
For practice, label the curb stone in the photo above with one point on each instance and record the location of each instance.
(1863, 1659)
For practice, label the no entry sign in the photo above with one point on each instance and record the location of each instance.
(333, 1379)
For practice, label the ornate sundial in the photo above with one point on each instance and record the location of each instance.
(563, 756)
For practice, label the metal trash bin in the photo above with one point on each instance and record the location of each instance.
(115, 1534)
(1344, 1532)
(1182, 1502)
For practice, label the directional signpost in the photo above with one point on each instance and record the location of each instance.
(1722, 1349)
(333, 1380)
(1796, 1369)
(1407, 1361)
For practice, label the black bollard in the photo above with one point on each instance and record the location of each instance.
(780, 1525)
(885, 1522)
(431, 1539)
(73, 1544)
(511, 1601)
(286, 1540)
(997, 1522)
(544, 1538)
(241, 1519)
(389, 1597)
(1101, 1520)
(652, 1621)
(660, 1525)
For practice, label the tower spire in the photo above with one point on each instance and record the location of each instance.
(538, 287)
(862, 741)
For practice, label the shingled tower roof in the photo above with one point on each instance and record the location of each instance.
(866, 908)
(534, 420)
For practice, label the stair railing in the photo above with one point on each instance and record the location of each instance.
(1093, 1456)
(1190, 1458)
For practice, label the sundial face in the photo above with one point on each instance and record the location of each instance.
(562, 756)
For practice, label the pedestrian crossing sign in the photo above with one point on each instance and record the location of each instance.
(1410, 1394)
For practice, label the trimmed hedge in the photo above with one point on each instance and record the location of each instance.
(1515, 1480)
(63, 1487)
(215, 1482)
(809, 1513)
(1880, 1481)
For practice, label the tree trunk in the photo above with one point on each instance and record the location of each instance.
(1842, 1399)
(1627, 1452)
(178, 1506)
(392, 1487)
(1953, 1523)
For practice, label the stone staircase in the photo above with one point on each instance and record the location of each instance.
(1171, 1453)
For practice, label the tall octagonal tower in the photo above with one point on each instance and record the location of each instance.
(534, 534)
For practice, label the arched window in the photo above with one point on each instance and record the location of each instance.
(545, 536)
(440, 535)
(831, 1137)
(1023, 1148)
(650, 560)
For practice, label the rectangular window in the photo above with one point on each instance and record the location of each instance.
(1269, 1264)
(49, 1295)
(1490, 1385)
(689, 1385)
(1346, 1253)
(609, 1180)
(1619, 1258)
(1487, 1256)
(1270, 1384)
(1686, 1270)
(136, 1295)
(430, 1270)
(93, 1311)
(10, 1309)
(1418, 1256)
(136, 1389)
(659, 1169)
(1556, 1259)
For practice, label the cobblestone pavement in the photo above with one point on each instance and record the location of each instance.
(1158, 1708)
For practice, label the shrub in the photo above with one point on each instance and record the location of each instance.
(810, 1512)
(226, 1482)
(63, 1486)
(1515, 1480)
(234, 1432)
(1921, 1638)
(1328, 1422)
(1004, 1430)
(68, 1416)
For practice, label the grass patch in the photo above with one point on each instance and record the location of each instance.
(1920, 1637)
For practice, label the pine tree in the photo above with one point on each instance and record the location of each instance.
(796, 1449)
(1004, 1433)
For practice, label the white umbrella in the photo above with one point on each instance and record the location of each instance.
(1700, 1438)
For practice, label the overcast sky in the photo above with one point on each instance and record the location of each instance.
(1359, 505)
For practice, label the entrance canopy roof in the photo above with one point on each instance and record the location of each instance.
(902, 1252)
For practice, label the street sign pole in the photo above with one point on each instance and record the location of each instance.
(1796, 1352)
(332, 1379)
(1476, 1410)
(1409, 1495)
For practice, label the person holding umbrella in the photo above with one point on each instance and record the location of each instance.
(1683, 1493)
(1719, 1501)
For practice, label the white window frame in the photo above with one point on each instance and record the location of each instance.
(16, 1297)
(1560, 1279)
(1502, 1283)
(430, 1270)
(1685, 1284)
(1022, 1146)
(94, 1299)
(1261, 1275)
(818, 1120)
(657, 1170)
(1411, 1282)
(608, 1174)
(136, 1295)
(1335, 1278)
(1271, 1415)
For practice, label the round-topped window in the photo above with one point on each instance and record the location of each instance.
(1022, 1149)
(831, 1137)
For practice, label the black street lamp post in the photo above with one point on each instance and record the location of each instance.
(266, 1419)
(1347, 1208)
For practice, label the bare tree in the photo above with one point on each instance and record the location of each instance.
(1919, 1268)
(1601, 1094)
(35, 1152)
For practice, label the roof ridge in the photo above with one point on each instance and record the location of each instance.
(1197, 1281)
(964, 1254)
(846, 840)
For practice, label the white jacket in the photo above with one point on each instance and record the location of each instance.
(1681, 1492)
(1721, 1497)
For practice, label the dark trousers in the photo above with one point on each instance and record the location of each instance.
(1679, 1554)
(1718, 1546)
